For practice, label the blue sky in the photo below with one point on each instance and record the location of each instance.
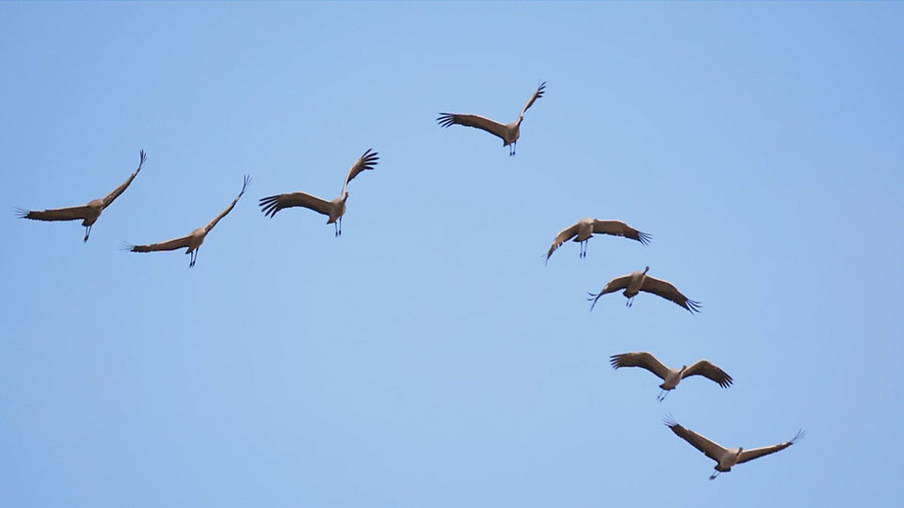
(427, 357)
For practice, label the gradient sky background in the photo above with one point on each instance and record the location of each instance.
(427, 357)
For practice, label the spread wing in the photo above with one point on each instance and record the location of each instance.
(613, 286)
(71, 213)
(668, 291)
(619, 228)
(563, 236)
(710, 448)
(229, 208)
(367, 161)
(119, 190)
(755, 453)
(645, 360)
(706, 369)
(272, 204)
(477, 121)
(534, 97)
(174, 244)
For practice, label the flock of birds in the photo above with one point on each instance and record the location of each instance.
(580, 232)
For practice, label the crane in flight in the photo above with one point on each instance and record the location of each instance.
(726, 458)
(89, 213)
(671, 377)
(192, 241)
(334, 209)
(509, 132)
(636, 282)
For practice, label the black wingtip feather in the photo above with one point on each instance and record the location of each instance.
(445, 119)
(594, 297)
(269, 205)
(669, 421)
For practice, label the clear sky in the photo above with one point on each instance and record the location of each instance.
(428, 358)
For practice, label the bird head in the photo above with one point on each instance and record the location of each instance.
(646, 269)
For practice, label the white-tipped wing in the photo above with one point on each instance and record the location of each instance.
(563, 236)
(619, 228)
(709, 370)
(174, 244)
(533, 98)
(367, 161)
(71, 213)
(709, 448)
(755, 453)
(229, 208)
(668, 291)
(644, 359)
(611, 287)
(119, 190)
(476, 121)
(272, 204)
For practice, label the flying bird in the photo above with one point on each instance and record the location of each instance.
(671, 376)
(636, 282)
(334, 209)
(725, 457)
(583, 230)
(192, 242)
(88, 213)
(509, 132)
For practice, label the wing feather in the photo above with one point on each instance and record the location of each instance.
(563, 236)
(176, 243)
(754, 453)
(619, 228)
(539, 93)
(643, 359)
(708, 370)
(476, 121)
(710, 448)
(611, 287)
(119, 190)
(367, 161)
(55, 214)
(272, 204)
(229, 208)
(668, 291)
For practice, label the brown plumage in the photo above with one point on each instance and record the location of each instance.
(509, 132)
(89, 213)
(636, 282)
(671, 377)
(334, 209)
(584, 229)
(725, 457)
(191, 242)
